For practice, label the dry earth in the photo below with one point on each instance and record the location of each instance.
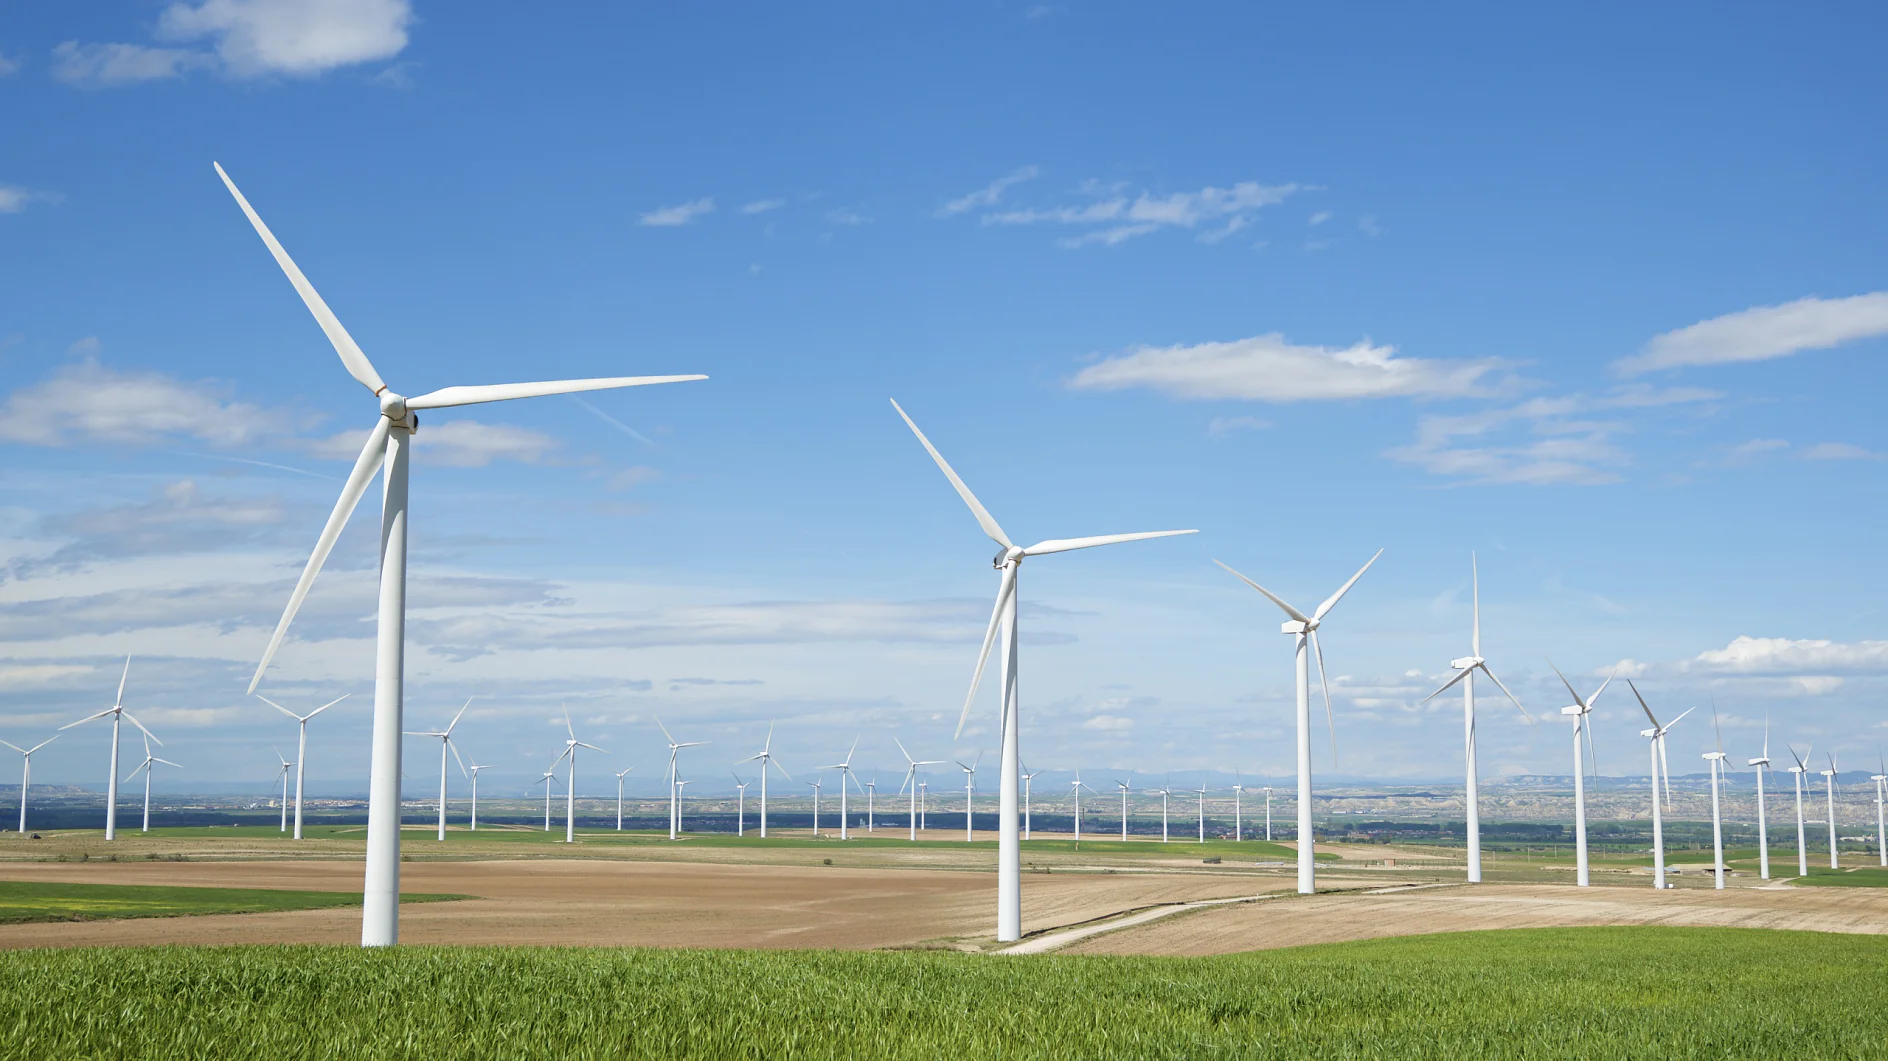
(611, 903)
(1300, 920)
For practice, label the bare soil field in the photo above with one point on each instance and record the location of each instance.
(570, 902)
(1300, 920)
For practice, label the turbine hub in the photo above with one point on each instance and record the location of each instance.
(1008, 555)
(393, 406)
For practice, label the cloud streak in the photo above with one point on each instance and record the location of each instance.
(1763, 333)
(1270, 369)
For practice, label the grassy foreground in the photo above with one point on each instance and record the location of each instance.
(23, 901)
(1555, 993)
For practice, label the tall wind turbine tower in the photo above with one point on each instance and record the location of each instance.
(1466, 668)
(1802, 838)
(1829, 776)
(766, 759)
(145, 766)
(1657, 737)
(675, 800)
(26, 772)
(1881, 797)
(912, 782)
(1304, 631)
(1008, 561)
(117, 712)
(445, 745)
(1716, 759)
(301, 748)
(1123, 786)
(1762, 764)
(1582, 711)
(389, 447)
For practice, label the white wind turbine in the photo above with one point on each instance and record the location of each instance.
(1466, 668)
(740, 814)
(1075, 789)
(1165, 791)
(282, 776)
(1829, 776)
(970, 791)
(570, 793)
(871, 796)
(1716, 759)
(389, 446)
(681, 787)
(445, 745)
(1027, 816)
(766, 759)
(1802, 839)
(911, 782)
(924, 788)
(1268, 813)
(1581, 710)
(1238, 795)
(116, 711)
(1202, 812)
(26, 772)
(145, 766)
(1009, 905)
(845, 775)
(1656, 736)
(1881, 797)
(1304, 629)
(1763, 822)
(620, 774)
(546, 780)
(301, 748)
(675, 806)
(472, 772)
(1123, 786)
(814, 785)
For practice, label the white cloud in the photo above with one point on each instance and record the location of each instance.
(20, 676)
(1120, 218)
(989, 193)
(88, 402)
(845, 215)
(1320, 218)
(1759, 445)
(1783, 656)
(1816, 684)
(247, 39)
(14, 199)
(1763, 333)
(1109, 723)
(1267, 368)
(1838, 451)
(454, 443)
(1222, 426)
(761, 206)
(1367, 224)
(680, 214)
(8, 66)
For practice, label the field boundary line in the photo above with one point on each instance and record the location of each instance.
(1055, 940)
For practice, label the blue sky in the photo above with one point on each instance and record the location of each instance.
(1599, 298)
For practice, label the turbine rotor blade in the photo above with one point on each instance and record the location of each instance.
(457, 717)
(1475, 591)
(665, 731)
(88, 718)
(122, 678)
(984, 519)
(1331, 601)
(280, 708)
(14, 746)
(326, 706)
(455, 757)
(1504, 689)
(1063, 545)
(351, 356)
(453, 397)
(1568, 684)
(1446, 686)
(1003, 595)
(140, 725)
(365, 466)
(1642, 703)
(1325, 684)
(1269, 595)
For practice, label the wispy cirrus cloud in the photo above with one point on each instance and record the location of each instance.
(1268, 368)
(245, 39)
(90, 403)
(452, 443)
(1111, 217)
(679, 214)
(761, 206)
(14, 199)
(989, 194)
(1763, 333)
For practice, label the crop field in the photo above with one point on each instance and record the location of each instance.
(1558, 993)
(27, 901)
(1824, 877)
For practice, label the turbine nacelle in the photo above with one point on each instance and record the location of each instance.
(1759, 762)
(1296, 626)
(1466, 662)
(1010, 555)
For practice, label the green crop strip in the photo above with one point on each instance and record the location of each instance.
(24, 901)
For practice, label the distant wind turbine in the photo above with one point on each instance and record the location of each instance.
(1304, 630)
(620, 774)
(1202, 812)
(675, 806)
(1008, 561)
(814, 785)
(845, 775)
(145, 766)
(1268, 813)
(1466, 668)
(1716, 760)
(472, 771)
(1238, 794)
(571, 744)
(301, 748)
(681, 787)
(549, 777)
(388, 447)
(1802, 839)
(740, 812)
(26, 772)
(1656, 737)
(1829, 776)
(1881, 797)
(970, 792)
(766, 759)
(871, 796)
(445, 745)
(282, 777)
(1166, 790)
(1763, 822)
(1581, 710)
(911, 782)
(1123, 786)
(1075, 789)
(116, 711)
(1027, 778)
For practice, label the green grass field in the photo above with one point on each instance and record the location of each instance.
(1824, 877)
(22, 901)
(1560, 993)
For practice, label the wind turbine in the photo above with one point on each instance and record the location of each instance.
(970, 792)
(740, 814)
(1716, 759)
(681, 787)
(1165, 791)
(871, 797)
(26, 772)
(675, 806)
(388, 447)
(1802, 840)
(1075, 789)
(301, 748)
(814, 784)
(283, 777)
(1829, 776)
(472, 771)
(620, 774)
(445, 745)
(1881, 797)
(1763, 823)
(924, 788)
(1466, 668)
(1027, 816)
(116, 711)
(1123, 786)
(845, 775)
(145, 766)
(1304, 628)
(1008, 561)
(1202, 812)
(1656, 735)
(766, 759)
(1268, 813)
(549, 776)
(1580, 709)
(911, 781)
(1238, 794)
(571, 744)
